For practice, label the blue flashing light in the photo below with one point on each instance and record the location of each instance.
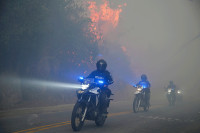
(81, 78)
(134, 85)
(144, 86)
(100, 81)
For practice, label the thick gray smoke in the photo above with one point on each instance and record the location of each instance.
(162, 40)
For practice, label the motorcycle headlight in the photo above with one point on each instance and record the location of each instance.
(84, 86)
(178, 91)
(169, 90)
(139, 89)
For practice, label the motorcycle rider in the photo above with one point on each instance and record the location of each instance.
(144, 82)
(173, 88)
(105, 93)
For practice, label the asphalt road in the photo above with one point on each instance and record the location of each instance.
(182, 118)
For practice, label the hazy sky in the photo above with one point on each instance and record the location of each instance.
(162, 38)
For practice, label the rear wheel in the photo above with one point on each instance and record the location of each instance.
(173, 99)
(136, 104)
(169, 97)
(146, 105)
(76, 118)
(146, 108)
(100, 120)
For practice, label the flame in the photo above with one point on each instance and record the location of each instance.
(103, 18)
(124, 49)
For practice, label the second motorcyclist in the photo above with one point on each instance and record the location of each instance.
(146, 87)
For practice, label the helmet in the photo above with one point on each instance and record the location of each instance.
(101, 65)
(143, 77)
(171, 82)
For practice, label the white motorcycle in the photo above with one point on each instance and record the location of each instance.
(171, 96)
(139, 100)
(179, 95)
(87, 105)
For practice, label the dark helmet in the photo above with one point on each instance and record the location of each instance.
(101, 65)
(143, 77)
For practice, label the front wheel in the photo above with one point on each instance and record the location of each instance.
(136, 104)
(76, 118)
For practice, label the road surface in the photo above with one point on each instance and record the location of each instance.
(182, 118)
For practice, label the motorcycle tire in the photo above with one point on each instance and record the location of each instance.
(136, 104)
(146, 108)
(76, 117)
(100, 120)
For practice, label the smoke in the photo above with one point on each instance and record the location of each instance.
(157, 38)
(161, 39)
(105, 17)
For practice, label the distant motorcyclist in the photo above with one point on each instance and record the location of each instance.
(175, 90)
(101, 72)
(146, 87)
(171, 93)
(172, 86)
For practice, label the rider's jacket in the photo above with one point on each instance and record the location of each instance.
(145, 84)
(105, 75)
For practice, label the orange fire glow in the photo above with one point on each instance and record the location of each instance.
(124, 49)
(103, 18)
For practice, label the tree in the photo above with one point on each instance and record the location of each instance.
(44, 39)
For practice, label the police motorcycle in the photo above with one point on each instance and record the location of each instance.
(87, 106)
(139, 100)
(179, 95)
(171, 96)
